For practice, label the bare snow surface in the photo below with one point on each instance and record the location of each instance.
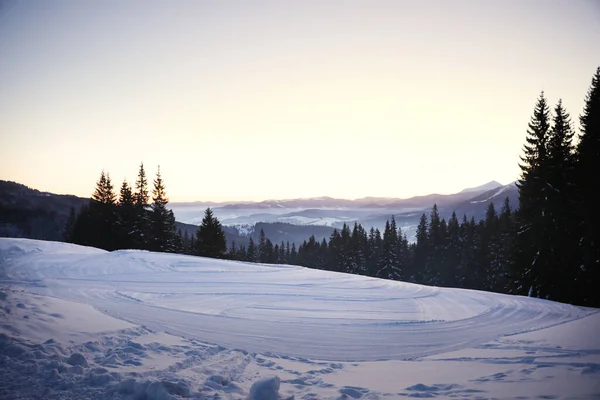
(83, 323)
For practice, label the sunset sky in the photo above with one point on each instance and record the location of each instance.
(253, 100)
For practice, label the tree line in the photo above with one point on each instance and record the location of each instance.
(132, 221)
(557, 241)
(464, 254)
(548, 246)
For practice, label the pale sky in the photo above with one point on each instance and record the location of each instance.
(253, 100)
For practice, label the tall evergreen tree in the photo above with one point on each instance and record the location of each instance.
(587, 167)
(532, 254)
(162, 230)
(210, 240)
(102, 213)
(262, 247)
(421, 253)
(436, 236)
(141, 198)
(374, 252)
(452, 253)
(389, 264)
(126, 218)
(506, 226)
(562, 272)
(251, 252)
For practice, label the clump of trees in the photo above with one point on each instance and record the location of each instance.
(136, 220)
(557, 242)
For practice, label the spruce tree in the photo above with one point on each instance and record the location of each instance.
(436, 235)
(102, 214)
(532, 254)
(452, 253)
(587, 167)
(162, 230)
(126, 218)
(562, 273)
(389, 264)
(421, 253)
(374, 246)
(262, 247)
(141, 233)
(489, 251)
(506, 227)
(210, 240)
(251, 253)
(359, 249)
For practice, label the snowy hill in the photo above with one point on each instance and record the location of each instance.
(483, 188)
(173, 326)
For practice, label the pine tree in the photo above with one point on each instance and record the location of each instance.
(251, 253)
(587, 167)
(374, 250)
(436, 235)
(162, 228)
(506, 227)
(262, 247)
(489, 251)
(281, 258)
(532, 254)
(388, 267)
(468, 274)
(421, 253)
(359, 249)
(102, 215)
(452, 253)
(126, 218)
(210, 237)
(141, 232)
(562, 271)
(293, 254)
(178, 240)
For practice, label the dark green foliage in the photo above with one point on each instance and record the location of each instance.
(389, 263)
(251, 253)
(420, 271)
(142, 222)
(532, 252)
(96, 224)
(210, 238)
(587, 167)
(162, 230)
(126, 218)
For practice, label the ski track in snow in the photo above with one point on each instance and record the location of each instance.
(281, 317)
(286, 309)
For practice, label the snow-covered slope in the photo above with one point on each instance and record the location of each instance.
(316, 330)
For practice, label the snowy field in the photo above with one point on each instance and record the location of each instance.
(83, 323)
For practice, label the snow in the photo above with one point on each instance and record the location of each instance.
(495, 194)
(77, 322)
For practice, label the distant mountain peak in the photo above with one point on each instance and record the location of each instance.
(483, 188)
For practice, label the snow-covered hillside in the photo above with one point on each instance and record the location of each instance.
(83, 323)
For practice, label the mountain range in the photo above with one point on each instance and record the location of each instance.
(26, 212)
